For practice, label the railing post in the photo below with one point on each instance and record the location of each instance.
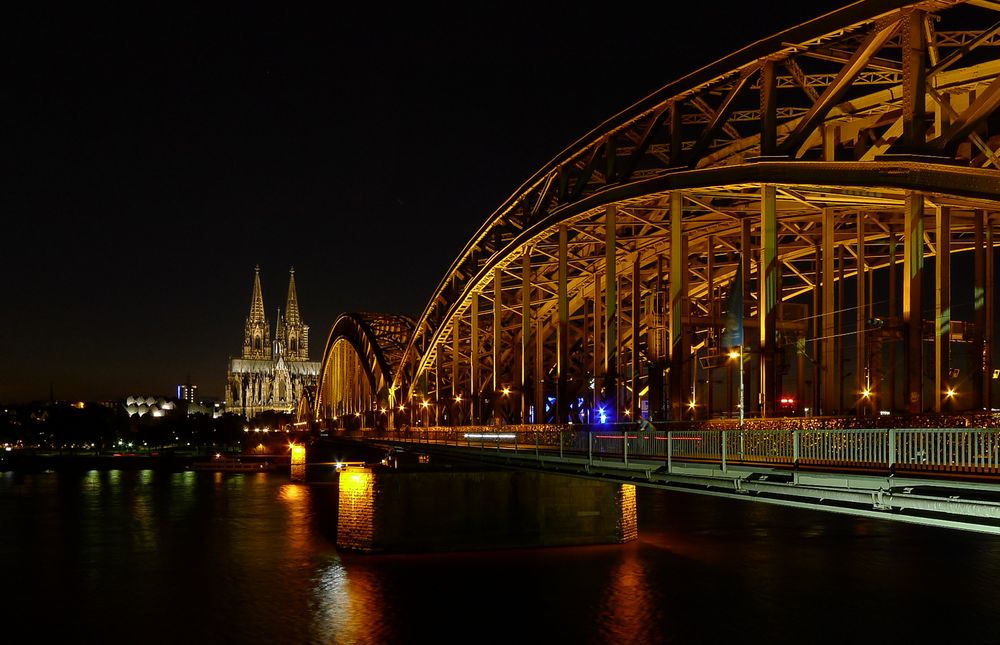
(723, 442)
(625, 444)
(560, 444)
(670, 452)
(796, 439)
(892, 448)
(590, 447)
(536, 444)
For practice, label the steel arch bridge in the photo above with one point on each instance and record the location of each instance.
(802, 181)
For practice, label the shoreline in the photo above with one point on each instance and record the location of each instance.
(40, 463)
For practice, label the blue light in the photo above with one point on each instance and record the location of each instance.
(603, 415)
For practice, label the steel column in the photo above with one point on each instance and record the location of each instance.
(746, 257)
(988, 325)
(980, 377)
(636, 309)
(454, 370)
(526, 385)
(860, 354)
(768, 296)
(562, 330)
(712, 315)
(497, 323)
(474, 392)
(768, 108)
(828, 361)
(913, 270)
(914, 80)
(540, 370)
(610, 308)
(894, 316)
(678, 290)
(598, 352)
(942, 310)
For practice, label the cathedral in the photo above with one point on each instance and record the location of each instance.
(272, 374)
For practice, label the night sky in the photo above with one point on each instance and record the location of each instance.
(154, 157)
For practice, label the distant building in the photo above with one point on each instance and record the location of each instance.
(187, 392)
(156, 406)
(271, 374)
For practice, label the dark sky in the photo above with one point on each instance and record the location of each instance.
(155, 156)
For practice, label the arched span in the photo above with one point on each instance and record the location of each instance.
(361, 354)
(813, 164)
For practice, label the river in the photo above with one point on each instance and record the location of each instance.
(170, 557)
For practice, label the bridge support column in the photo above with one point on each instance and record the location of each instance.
(526, 388)
(298, 463)
(980, 377)
(562, 331)
(386, 511)
(498, 400)
(861, 317)
(611, 311)
(988, 324)
(828, 360)
(895, 316)
(474, 385)
(746, 260)
(942, 311)
(913, 269)
(633, 405)
(768, 295)
(454, 404)
(679, 349)
(598, 350)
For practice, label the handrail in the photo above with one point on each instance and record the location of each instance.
(876, 450)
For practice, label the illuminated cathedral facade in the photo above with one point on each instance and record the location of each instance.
(273, 374)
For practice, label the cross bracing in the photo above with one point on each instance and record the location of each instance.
(826, 164)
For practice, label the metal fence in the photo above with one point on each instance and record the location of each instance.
(945, 450)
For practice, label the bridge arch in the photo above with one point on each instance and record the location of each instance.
(822, 165)
(361, 354)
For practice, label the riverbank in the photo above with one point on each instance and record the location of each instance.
(29, 462)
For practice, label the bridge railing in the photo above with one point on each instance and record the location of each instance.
(944, 450)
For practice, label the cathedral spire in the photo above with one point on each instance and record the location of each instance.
(292, 306)
(257, 300)
(257, 331)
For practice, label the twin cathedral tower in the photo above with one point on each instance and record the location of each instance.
(272, 374)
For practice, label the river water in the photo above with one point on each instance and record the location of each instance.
(161, 557)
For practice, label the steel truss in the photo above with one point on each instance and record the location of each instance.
(828, 162)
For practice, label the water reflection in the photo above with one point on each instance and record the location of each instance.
(628, 604)
(128, 557)
(348, 607)
(299, 528)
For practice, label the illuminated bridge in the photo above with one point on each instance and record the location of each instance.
(814, 215)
